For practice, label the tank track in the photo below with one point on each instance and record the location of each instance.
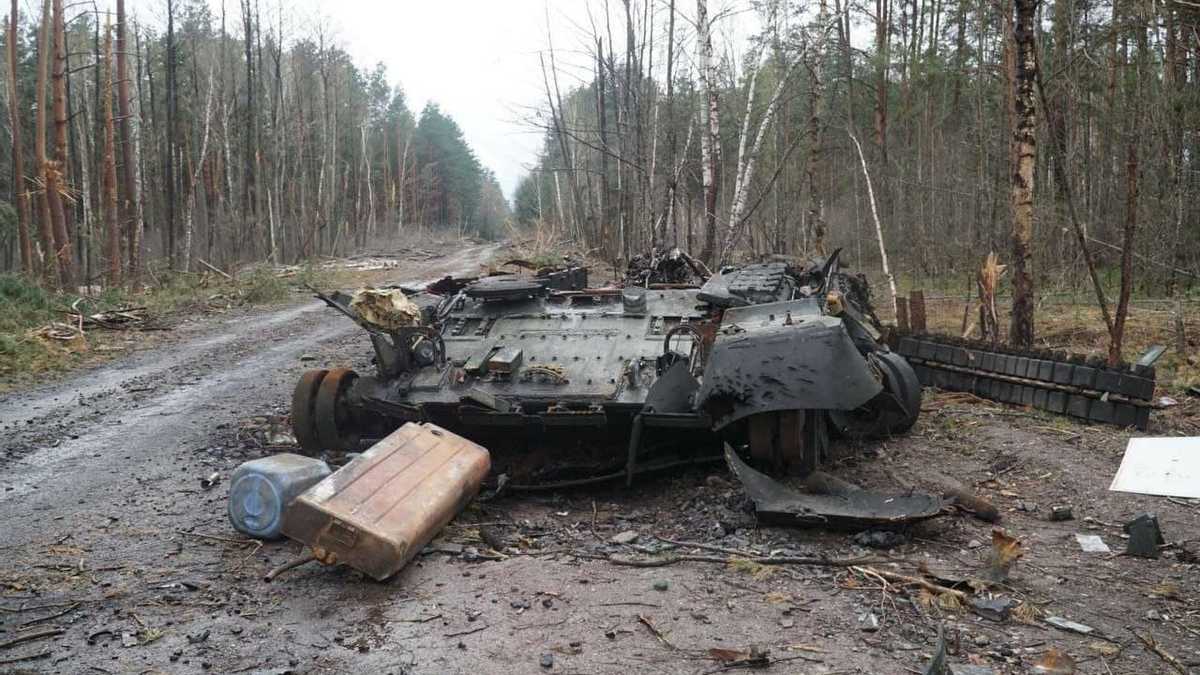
(1086, 389)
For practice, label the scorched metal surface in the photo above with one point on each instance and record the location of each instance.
(772, 357)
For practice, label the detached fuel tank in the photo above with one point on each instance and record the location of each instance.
(382, 508)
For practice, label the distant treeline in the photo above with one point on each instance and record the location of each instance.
(212, 137)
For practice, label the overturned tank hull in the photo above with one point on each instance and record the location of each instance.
(771, 358)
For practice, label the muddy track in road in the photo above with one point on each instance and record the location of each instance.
(169, 391)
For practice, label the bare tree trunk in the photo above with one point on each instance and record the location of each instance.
(20, 194)
(370, 188)
(112, 249)
(249, 194)
(1057, 128)
(710, 139)
(883, 22)
(131, 206)
(170, 132)
(816, 207)
(1024, 141)
(55, 175)
(887, 271)
(669, 216)
(46, 224)
(606, 197)
(190, 205)
(747, 161)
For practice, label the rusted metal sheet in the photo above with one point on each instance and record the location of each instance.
(855, 509)
(379, 510)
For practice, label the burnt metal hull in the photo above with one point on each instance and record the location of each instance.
(763, 356)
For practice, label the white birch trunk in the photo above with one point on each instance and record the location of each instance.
(190, 206)
(887, 272)
(746, 165)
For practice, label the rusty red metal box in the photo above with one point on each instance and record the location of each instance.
(377, 512)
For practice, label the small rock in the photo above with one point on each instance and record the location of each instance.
(661, 585)
(547, 660)
(307, 357)
(626, 537)
(787, 623)
(982, 640)
(1153, 615)
(974, 543)
(868, 623)
(1028, 507)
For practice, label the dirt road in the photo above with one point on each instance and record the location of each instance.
(116, 559)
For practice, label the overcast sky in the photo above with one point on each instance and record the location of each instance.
(478, 59)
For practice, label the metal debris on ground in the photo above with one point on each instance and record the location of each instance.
(1061, 513)
(857, 509)
(1145, 536)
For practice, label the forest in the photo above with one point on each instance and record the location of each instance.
(918, 135)
(211, 140)
(1061, 135)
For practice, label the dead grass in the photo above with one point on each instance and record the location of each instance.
(26, 308)
(1075, 325)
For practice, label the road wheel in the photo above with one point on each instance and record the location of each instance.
(791, 442)
(902, 382)
(334, 419)
(304, 401)
(881, 418)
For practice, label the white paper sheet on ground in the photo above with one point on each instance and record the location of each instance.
(1160, 466)
(1092, 543)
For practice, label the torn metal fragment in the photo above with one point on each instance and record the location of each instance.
(778, 503)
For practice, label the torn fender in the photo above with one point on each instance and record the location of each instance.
(857, 509)
(809, 366)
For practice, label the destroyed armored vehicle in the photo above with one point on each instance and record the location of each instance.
(773, 358)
